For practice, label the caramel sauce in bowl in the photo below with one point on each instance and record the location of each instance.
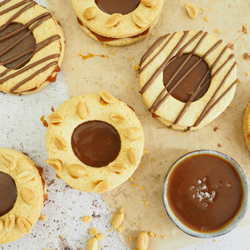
(205, 193)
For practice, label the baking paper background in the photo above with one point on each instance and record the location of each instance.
(112, 69)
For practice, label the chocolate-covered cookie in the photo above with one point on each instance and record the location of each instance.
(187, 79)
(117, 22)
(31, 47)
(94, 142)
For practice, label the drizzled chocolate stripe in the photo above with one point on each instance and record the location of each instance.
(202, 83)
(33, 75)
(4, 2)
(158, 100)
(151, 50)
(39, 46)
(25, 26)
(164, 64)
(37, 21)
(198, 88)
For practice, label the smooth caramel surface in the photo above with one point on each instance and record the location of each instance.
(204, 192)
(96, 143)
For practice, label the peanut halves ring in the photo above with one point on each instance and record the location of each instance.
(22, 192)
(117, 23)
(99, 143)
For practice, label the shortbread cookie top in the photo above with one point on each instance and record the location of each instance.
(32, 47)
(117, 18)
(94, 142)
(22, 195)
(187, 79)
(246, 126)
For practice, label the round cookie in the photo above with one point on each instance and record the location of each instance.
(22, 194)
(246, 126)
(117, 22)
(187, 79)
(94, 142)
(32, 47)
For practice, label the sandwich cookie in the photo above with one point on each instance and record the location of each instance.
(187, 79)
(31, 47)
(22, 194)
(94, 142)
(117, 22)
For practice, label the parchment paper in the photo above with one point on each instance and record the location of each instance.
(112, 69)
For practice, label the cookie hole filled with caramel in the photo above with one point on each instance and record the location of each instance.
(117, 6)
(204, 192)
(187, 77)
(96, 143)
(8, 193)
(17, 45)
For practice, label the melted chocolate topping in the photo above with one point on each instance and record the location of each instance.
(8, 193)
(22, 48)
(117, 6)
(18, 44)
(178, 76)
(185, 89)
(96, 143)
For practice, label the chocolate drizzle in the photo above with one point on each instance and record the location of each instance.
(172, 83)
(8, 56)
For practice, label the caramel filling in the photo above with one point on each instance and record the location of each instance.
(181, 81)
(96, 143)
(117, 6)
(40, 171)
(14, 53)
(8, 193)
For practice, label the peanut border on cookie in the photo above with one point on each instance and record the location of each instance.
(89, 107)
(30, 195)
(118, 26)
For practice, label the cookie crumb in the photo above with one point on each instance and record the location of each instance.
(143, 166)
(111, 230)
(217, 31)
(202, 8)
(43, 217)
(133, 185)
(131, 238)
(219, 145)
(244, 29)
(120, 229)
(130, 58)
(163, 237)
(105, 45)
(151, 234)
(206, 19)
(152, 34)
(137, 67)
(145, 152)
(93, 231)
(86, 219)
(100, 236)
